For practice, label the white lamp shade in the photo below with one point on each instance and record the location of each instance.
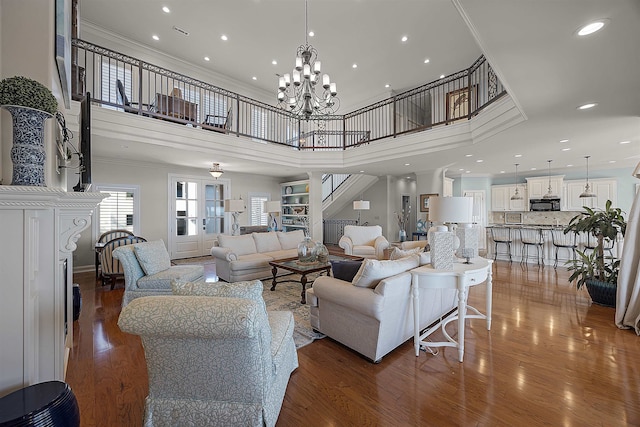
(361, 205)
(232, 205)
(272, 206)
(451, 209)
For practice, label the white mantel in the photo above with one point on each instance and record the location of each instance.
(39, 228)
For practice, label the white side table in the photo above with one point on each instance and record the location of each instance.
(462, 277)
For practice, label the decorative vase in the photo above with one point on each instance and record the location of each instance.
(28, 153)
(402, 235)
(602, 293)
(322, 253)
(307, 251)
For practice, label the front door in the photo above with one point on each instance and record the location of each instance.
(196, 215)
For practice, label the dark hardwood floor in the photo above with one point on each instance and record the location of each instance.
(552, 358)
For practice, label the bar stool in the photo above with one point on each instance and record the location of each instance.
(532, 237)
(561, 240)
(501, 235)
(592, 242)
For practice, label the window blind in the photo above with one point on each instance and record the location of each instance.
(257, 214)
(116, 211)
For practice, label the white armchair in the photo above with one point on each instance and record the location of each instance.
(364, 241)
(213, 360)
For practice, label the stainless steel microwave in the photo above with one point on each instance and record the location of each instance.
(544, 204)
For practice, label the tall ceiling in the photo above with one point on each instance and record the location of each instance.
(548, 70)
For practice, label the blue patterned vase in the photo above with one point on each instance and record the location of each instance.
(28, 153)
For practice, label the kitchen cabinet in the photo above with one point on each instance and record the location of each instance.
(295, 205)
(501, 198)
(604, 189)
(539, 186)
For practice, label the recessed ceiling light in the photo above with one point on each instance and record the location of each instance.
(533, 169)
(592, 27)
(501, 171)
(564, 140)
(569, 166)
(612, 161)
(408, 177)
(156, 38)
(387, 85)
(625, 142)
(361, 171)
(354, 66)
(518, 155)
(407, 164)
(587, 106)
(224, 37)
(442, 76)
(479, 161)
(311, 34)
(468, 155)
(461, 169)
(274, 62)
(426, 61)
(165, 9)
(206, 58)
(404, 38)
(254, 78)
(467, 172)
(566, 149)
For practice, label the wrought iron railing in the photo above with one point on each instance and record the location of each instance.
(121, 82)
(331, 182)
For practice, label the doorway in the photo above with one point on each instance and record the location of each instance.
(479, 215)
(196, 215)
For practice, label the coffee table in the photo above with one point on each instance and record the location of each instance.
(295, 267)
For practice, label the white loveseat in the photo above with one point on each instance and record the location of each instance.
(247, 257)
(373, 314)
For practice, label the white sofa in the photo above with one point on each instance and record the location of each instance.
(364, 241)
(247, 257)
(376, 318)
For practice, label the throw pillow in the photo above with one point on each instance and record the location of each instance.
(345, 270)
(373, 271)
(251, 289)
(152, 256)
(398, 253)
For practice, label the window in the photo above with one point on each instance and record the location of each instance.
(121, 210)
(257, 215)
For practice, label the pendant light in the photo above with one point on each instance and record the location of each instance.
(587, 190)
(549, 194)
(516, 195)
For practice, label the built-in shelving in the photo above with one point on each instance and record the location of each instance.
(295, 205)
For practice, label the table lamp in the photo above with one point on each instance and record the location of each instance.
(272, 207)
(451, 211)
(360, 205)
(235, 207)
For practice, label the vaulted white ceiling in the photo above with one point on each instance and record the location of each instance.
(532, 45)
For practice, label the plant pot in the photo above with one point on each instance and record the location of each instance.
(28, 153)
(602, 293)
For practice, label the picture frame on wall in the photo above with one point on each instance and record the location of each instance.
(424, 201)
(63, 48)
(458, 102)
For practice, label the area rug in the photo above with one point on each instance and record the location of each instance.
(286, 297)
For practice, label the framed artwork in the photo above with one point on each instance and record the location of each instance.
(63, 48)
(424, 201)
(458, 102)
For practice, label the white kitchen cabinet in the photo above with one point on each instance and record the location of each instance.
(501, 198)
(604, 189)
(539, 186)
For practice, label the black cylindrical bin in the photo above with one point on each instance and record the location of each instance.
(48, 404)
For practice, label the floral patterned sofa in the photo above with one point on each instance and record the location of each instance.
(215, 356)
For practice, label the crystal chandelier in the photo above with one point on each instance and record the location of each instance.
(516, 194)
(549, 194)
(297, 91)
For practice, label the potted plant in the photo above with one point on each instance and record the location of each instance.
(30, 104)
(599, 273)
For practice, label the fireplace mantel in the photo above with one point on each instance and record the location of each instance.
(39, 227)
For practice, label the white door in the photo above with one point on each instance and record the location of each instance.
(196, 215)
(479, 215)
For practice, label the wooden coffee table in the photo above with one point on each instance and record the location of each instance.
(295, 267)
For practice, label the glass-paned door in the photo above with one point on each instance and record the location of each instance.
(197, 216)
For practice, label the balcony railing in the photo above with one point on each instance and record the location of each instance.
(121, 82)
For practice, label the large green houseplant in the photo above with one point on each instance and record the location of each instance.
(599, 273)
(30, 104)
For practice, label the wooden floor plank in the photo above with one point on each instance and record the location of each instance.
(551, 358)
